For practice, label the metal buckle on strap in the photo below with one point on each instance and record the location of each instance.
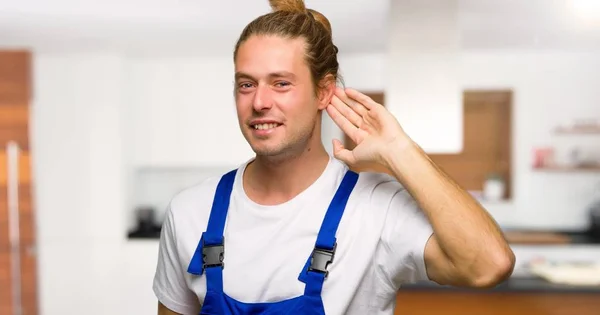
(321, 258)
(213, 255)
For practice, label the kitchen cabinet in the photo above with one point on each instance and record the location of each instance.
(18, 292)
(517, 296)
(497, 303)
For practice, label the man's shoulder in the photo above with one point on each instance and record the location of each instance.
(196, 198)
(375, 181)
(370, 184)
(376, 190)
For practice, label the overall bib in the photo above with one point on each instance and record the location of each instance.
(210, 253)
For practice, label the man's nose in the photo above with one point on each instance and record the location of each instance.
(262, 98)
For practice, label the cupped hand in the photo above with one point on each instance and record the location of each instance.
(374, 130)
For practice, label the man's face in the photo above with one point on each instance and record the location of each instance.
(275, 99)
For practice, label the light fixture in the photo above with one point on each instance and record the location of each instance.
(586, 10)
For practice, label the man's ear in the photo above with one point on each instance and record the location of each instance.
(326, 90)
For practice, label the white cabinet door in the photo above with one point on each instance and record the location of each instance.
(423, 89)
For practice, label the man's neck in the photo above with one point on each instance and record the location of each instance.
(270, 183)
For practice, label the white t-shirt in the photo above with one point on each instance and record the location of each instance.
(380, 244)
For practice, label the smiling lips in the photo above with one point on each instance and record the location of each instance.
(264, 128)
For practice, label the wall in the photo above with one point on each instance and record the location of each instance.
(549, 89)
(96, 117)
(85, 265)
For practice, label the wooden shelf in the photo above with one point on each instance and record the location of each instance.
(559, 168)
(536, 238)
(578, 130)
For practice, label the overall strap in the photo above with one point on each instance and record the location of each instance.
(210, 252)
(315, 270)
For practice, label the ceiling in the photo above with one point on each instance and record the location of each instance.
(572, 25)
(211, 27)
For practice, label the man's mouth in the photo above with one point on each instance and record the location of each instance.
(265, 126)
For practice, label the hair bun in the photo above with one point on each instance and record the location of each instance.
(298, 6)
(321, 19)
(288, 5)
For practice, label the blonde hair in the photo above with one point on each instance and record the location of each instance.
(291, 19)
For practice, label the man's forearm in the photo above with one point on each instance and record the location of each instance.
(466, 233)
(163, 310)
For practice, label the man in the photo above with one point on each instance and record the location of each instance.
(293, 230)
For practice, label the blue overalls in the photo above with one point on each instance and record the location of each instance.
(209, 258)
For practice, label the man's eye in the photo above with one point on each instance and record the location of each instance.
(245, 85)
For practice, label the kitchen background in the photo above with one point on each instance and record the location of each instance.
(132, 101)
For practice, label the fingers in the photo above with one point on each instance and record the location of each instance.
(364, 100)
(341, 153)
(345, 110)
(356, 106)
(346, 125)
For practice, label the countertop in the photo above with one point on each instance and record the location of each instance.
(582, 237)
(550, 237)
(514, 284)
(575, 237)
